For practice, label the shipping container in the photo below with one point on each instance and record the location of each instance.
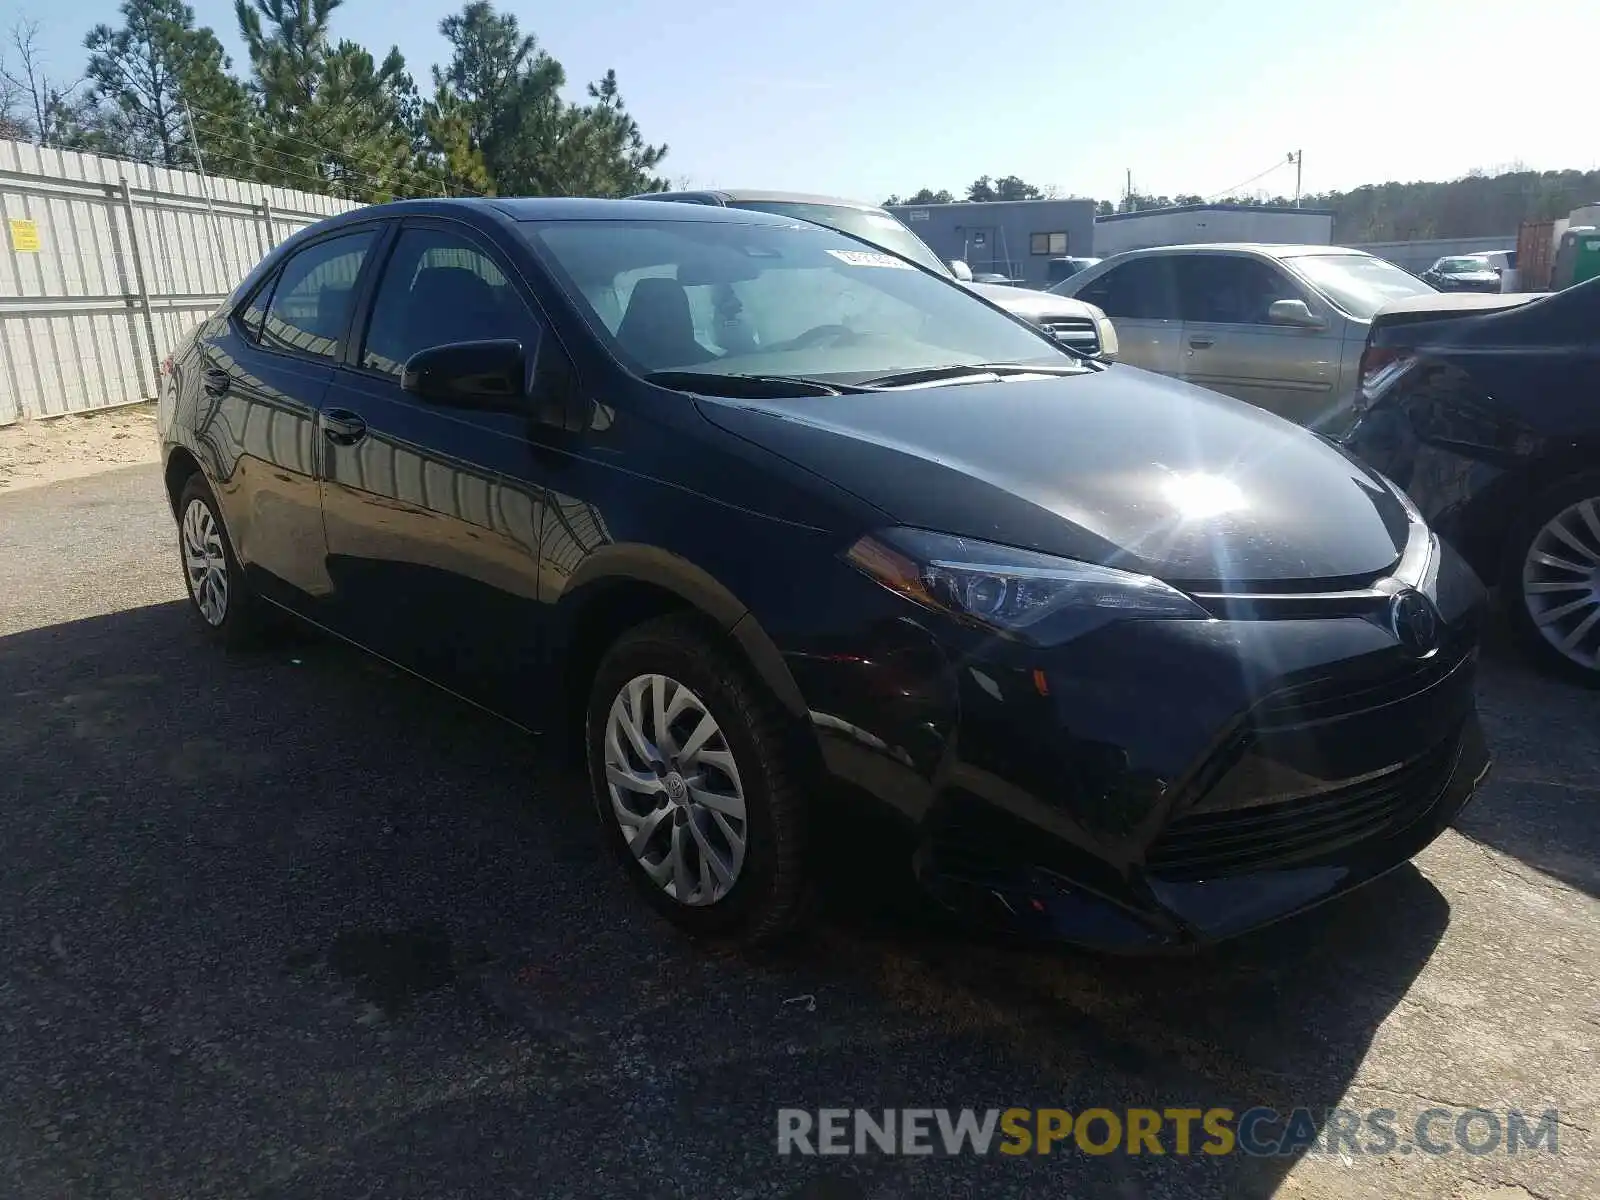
(1535, 255)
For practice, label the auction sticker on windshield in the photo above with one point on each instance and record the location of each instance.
(867, 258)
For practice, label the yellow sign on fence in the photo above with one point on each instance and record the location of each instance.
(24, 236)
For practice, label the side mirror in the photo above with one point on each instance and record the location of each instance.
(1295, 313)
(960, 270)
(489, 375)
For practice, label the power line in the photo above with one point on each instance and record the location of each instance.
(379, 162)
(1245, 183)
(262, 158)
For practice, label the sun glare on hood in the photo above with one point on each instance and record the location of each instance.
(1197, 495)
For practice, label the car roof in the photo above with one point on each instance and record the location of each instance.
(562, 208)
(759, 195)
(1268, 249)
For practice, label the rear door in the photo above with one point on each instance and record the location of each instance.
(1230, 346)
(1141, 298)
(263, 374)
(433, 512)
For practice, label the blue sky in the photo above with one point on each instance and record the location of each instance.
(867, 97)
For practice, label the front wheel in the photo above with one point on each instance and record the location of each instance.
(697, 781)
(1552, 579)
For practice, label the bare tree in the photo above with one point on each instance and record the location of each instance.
(47, 109)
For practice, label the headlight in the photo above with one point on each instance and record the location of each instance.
(1108, 333)
(1015, 591)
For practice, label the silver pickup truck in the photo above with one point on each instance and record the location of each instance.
(1074, 323)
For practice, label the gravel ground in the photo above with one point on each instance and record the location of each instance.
(70, 447)
(291, 925)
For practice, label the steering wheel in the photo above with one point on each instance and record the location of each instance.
(817, 335)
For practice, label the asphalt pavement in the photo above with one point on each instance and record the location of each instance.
(291, 924)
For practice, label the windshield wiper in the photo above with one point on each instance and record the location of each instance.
(977, 372)
(755, 387)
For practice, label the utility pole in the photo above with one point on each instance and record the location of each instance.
(205, 190)
(1297, 157)
(1127, 194)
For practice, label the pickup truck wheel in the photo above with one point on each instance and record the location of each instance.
(1552, 579)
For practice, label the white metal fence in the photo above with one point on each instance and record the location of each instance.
(104, 263)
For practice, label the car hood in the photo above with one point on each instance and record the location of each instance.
(1115, 466)
(1029, 304)
(1470, 276)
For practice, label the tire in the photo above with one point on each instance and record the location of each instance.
(1572, 508)
(766, 886)
(211, 570)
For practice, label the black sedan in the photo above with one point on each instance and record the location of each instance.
(1463, 273)
(1135, 664)
(1484, 409)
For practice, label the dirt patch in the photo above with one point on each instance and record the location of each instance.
(45, 451)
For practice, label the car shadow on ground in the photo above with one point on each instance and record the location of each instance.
(1542, 802)
(294, 923)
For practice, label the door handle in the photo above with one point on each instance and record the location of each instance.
(1200, 343)
(217, 381)
(343, 427)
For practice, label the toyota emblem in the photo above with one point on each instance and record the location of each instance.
(1414, 622)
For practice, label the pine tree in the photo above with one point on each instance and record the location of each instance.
(150, 74)
(334, 119)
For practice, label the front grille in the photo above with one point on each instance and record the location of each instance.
(1328, 699)
(1294, 832)
(1079, 333)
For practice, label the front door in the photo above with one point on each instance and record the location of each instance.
(1141, 298)
(1230, 346)
(433, 512)
(263, 374)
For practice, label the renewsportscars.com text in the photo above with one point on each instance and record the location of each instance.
(1177, 1131)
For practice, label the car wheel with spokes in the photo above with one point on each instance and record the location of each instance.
(695, 776)
(219, 595)
(1553, 579)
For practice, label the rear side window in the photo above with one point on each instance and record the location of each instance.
(254, 310)
(310, 307)
(1144, 289)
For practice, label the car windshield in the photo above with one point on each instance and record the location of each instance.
(868, 224)
(1458, 265)
(1358, 283)
(774, 300)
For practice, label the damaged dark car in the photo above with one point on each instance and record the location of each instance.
(1136, 665)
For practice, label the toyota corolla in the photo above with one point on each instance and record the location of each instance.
(1135, 664)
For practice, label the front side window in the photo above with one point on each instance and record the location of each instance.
(1144, 289)
(1229, 289)
(438, 288)
(735, 299)
(1359, 284)
(310, 307)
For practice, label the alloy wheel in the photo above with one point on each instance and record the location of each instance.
(675, 789)
(205, 562)
(1561, 582)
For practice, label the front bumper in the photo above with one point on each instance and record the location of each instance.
(1158, 784)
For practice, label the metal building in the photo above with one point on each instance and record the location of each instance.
(1013, 238)
(1191, 224)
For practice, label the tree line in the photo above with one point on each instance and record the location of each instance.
(325, 115)
(1478, 205)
